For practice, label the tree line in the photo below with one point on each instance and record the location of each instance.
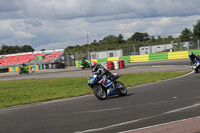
(138, 39)
(109, 42)
(15, 49)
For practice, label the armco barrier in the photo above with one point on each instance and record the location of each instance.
(37, 68)
(31, 67)
(113, 59)
(195, 51)
(125, 58)
(149, 57)
(16, 69)
(78, 63)
(40, 67)
(139, 58)
(13, 69)
(10, 69)
(158, 56)
(178, 55)
(102, 60)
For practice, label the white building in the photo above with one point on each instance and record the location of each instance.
(106, 54)
(160, 48)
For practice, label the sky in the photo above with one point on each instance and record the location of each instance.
(55, 24)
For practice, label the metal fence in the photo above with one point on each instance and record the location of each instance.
(132, 50)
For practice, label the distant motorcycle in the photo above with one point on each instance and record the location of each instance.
(97, 84)
(24, 70)
(85, 64)
(196, 66)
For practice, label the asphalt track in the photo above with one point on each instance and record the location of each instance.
(145, 105)
(151, 66)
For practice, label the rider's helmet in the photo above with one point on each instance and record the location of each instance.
(191, 55)
(93, 66)
(23, 63)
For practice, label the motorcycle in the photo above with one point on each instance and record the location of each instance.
(196, 66)
(101, 84)
(24, 70)
(86, 64)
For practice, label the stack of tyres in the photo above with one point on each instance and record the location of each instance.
(110, 65)
(40, 67)
(46, 66)
(121, 64)
(116, 64)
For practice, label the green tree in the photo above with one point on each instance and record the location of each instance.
(111, 39)
(196, 30)
(4, 50)
(120, 39)
(15, 49)
(186, 35)
(43, 49)
(140, 36)
(27, 48)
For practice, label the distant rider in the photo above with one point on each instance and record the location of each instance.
(23, 64)
(193, 59)
(100, 70)
(84, 62)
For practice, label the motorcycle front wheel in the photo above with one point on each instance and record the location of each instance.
(99, 92)
(20, 72)
(122, 90)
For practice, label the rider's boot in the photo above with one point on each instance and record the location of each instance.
(196, 70)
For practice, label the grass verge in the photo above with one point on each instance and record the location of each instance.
(37, 90)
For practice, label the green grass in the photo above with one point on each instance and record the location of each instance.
(37, 90)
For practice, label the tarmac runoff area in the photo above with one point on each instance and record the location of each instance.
(77, 72)
(191, 125)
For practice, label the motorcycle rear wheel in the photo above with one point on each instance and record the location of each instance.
(99, 92)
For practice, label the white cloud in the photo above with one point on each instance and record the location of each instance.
(162, 22)
(60, 23)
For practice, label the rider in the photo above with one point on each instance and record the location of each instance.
(83, 62)
(23, 64)
(100, 70)
(193, 59)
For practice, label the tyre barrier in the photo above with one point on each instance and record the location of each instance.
(121, 64)
(4, 70)
(116, 64)
(111, 65)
